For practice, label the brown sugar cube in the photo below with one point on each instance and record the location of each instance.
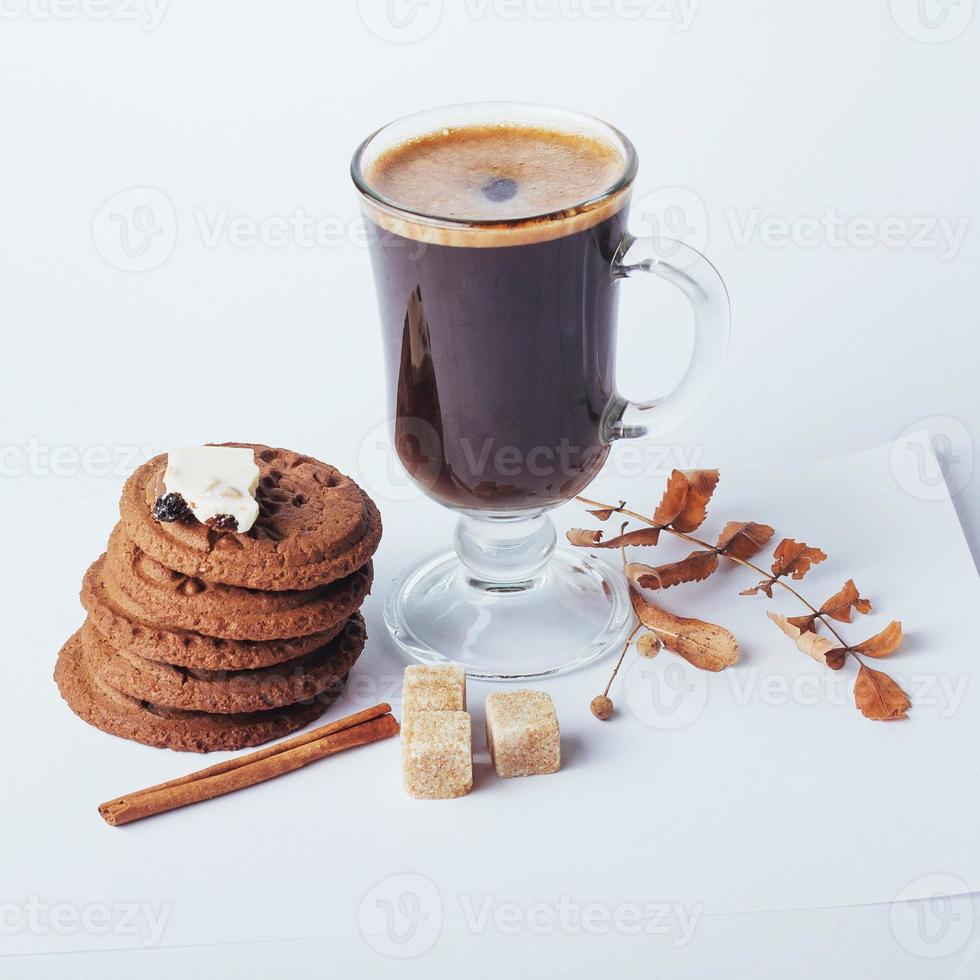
(441, 688)
(522, 733)
(437, 754)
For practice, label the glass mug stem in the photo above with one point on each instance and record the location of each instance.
(505, 552)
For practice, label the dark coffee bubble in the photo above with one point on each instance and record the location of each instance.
(500, 189)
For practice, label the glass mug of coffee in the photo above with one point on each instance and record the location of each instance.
(498, 239)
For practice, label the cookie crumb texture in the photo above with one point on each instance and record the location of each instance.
(188, 602)
(522, 733)
(437, 754)
(174, 658)
(315, 526)
(226, 691)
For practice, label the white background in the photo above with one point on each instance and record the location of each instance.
(749, 118)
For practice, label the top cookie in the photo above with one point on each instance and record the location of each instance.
(315, 526)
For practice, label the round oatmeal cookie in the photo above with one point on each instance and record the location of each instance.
(225, 691)
(315, 526)
(117, 618)
(186, 731)
(177, 601)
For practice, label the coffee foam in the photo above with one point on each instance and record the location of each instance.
(495, 185)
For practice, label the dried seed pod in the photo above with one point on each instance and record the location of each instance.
(649, 645)
(602, 707)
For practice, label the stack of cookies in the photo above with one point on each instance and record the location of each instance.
(201, 638)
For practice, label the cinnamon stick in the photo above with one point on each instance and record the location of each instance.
(362, 728)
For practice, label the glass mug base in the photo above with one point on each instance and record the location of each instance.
(572, 610)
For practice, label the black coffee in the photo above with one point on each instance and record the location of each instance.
(499, 337)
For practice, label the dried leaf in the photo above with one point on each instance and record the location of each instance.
(702, 645)
(878, 697)
(805, 624)
(648, 645)
(582, 538)
(604, 513)
(812, 644)
(696, 567)
(795, 558)
(743, 539)
(839, 606)
(684, 505)
(635, 570)
(593, 539)
(764, 586)
(882, 644)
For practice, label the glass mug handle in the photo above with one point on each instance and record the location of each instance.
(700, 282)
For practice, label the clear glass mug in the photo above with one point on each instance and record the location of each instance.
(499, 341)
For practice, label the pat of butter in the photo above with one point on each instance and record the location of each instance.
(215, 480)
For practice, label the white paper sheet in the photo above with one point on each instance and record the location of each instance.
(760, 788)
